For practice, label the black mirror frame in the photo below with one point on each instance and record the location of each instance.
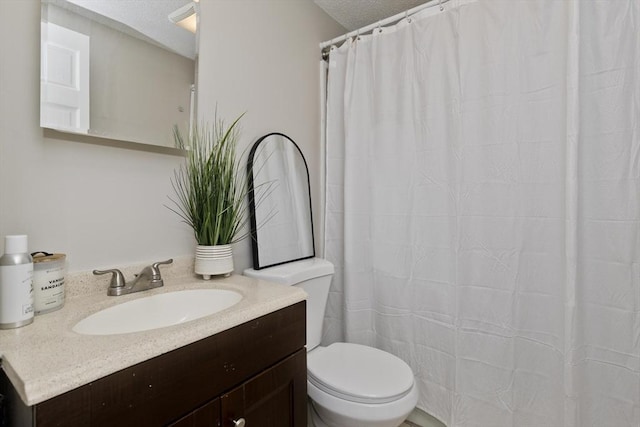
(252, 204)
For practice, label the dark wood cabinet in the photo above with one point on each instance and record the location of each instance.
(206, 416)
(255, 371)
(272, 398)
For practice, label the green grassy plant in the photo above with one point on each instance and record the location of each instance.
(210, 188)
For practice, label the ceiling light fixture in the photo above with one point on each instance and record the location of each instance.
(186, 17)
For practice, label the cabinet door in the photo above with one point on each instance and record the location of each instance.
(276, 397)
(207, 415)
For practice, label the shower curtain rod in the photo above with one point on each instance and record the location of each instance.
(395, 18)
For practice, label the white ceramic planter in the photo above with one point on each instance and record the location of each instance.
(213, 261)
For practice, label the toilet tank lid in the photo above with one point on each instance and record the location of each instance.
(292, 273)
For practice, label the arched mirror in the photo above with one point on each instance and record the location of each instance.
(279, 202)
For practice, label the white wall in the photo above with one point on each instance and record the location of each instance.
(103, 203)
(262, 58)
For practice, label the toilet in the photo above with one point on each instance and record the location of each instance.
(349, 385)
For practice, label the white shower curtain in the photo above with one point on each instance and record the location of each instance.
(482, 207)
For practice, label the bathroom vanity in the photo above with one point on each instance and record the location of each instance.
(245, 363)
(255, 371)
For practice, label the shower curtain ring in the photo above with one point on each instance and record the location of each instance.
(441, 6)
(379, 28)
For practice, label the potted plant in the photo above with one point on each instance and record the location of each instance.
(211, 194)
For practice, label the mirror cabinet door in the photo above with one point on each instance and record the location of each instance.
(280, 202)
(117, 69)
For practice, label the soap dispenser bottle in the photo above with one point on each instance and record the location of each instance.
(16, 283)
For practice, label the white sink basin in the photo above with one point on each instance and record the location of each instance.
(157, 311)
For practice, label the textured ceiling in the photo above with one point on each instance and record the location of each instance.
(354, 14)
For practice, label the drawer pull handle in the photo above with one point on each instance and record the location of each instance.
(238, 423)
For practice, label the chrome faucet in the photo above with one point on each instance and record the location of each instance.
(148, 278)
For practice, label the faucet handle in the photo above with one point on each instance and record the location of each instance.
(117, 278)
(155, 266)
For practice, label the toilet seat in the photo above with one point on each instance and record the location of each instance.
(359, 373)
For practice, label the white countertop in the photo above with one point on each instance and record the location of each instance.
(46, 358)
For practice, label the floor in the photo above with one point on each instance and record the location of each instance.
(409, 424)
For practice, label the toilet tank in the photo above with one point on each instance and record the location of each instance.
(314, 276)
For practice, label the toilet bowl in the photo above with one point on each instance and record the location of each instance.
(352, 385)
(349, 385)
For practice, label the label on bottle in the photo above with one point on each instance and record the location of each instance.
(49, 287)
(16, 294)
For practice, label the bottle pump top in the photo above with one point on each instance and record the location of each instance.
(16, 244)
